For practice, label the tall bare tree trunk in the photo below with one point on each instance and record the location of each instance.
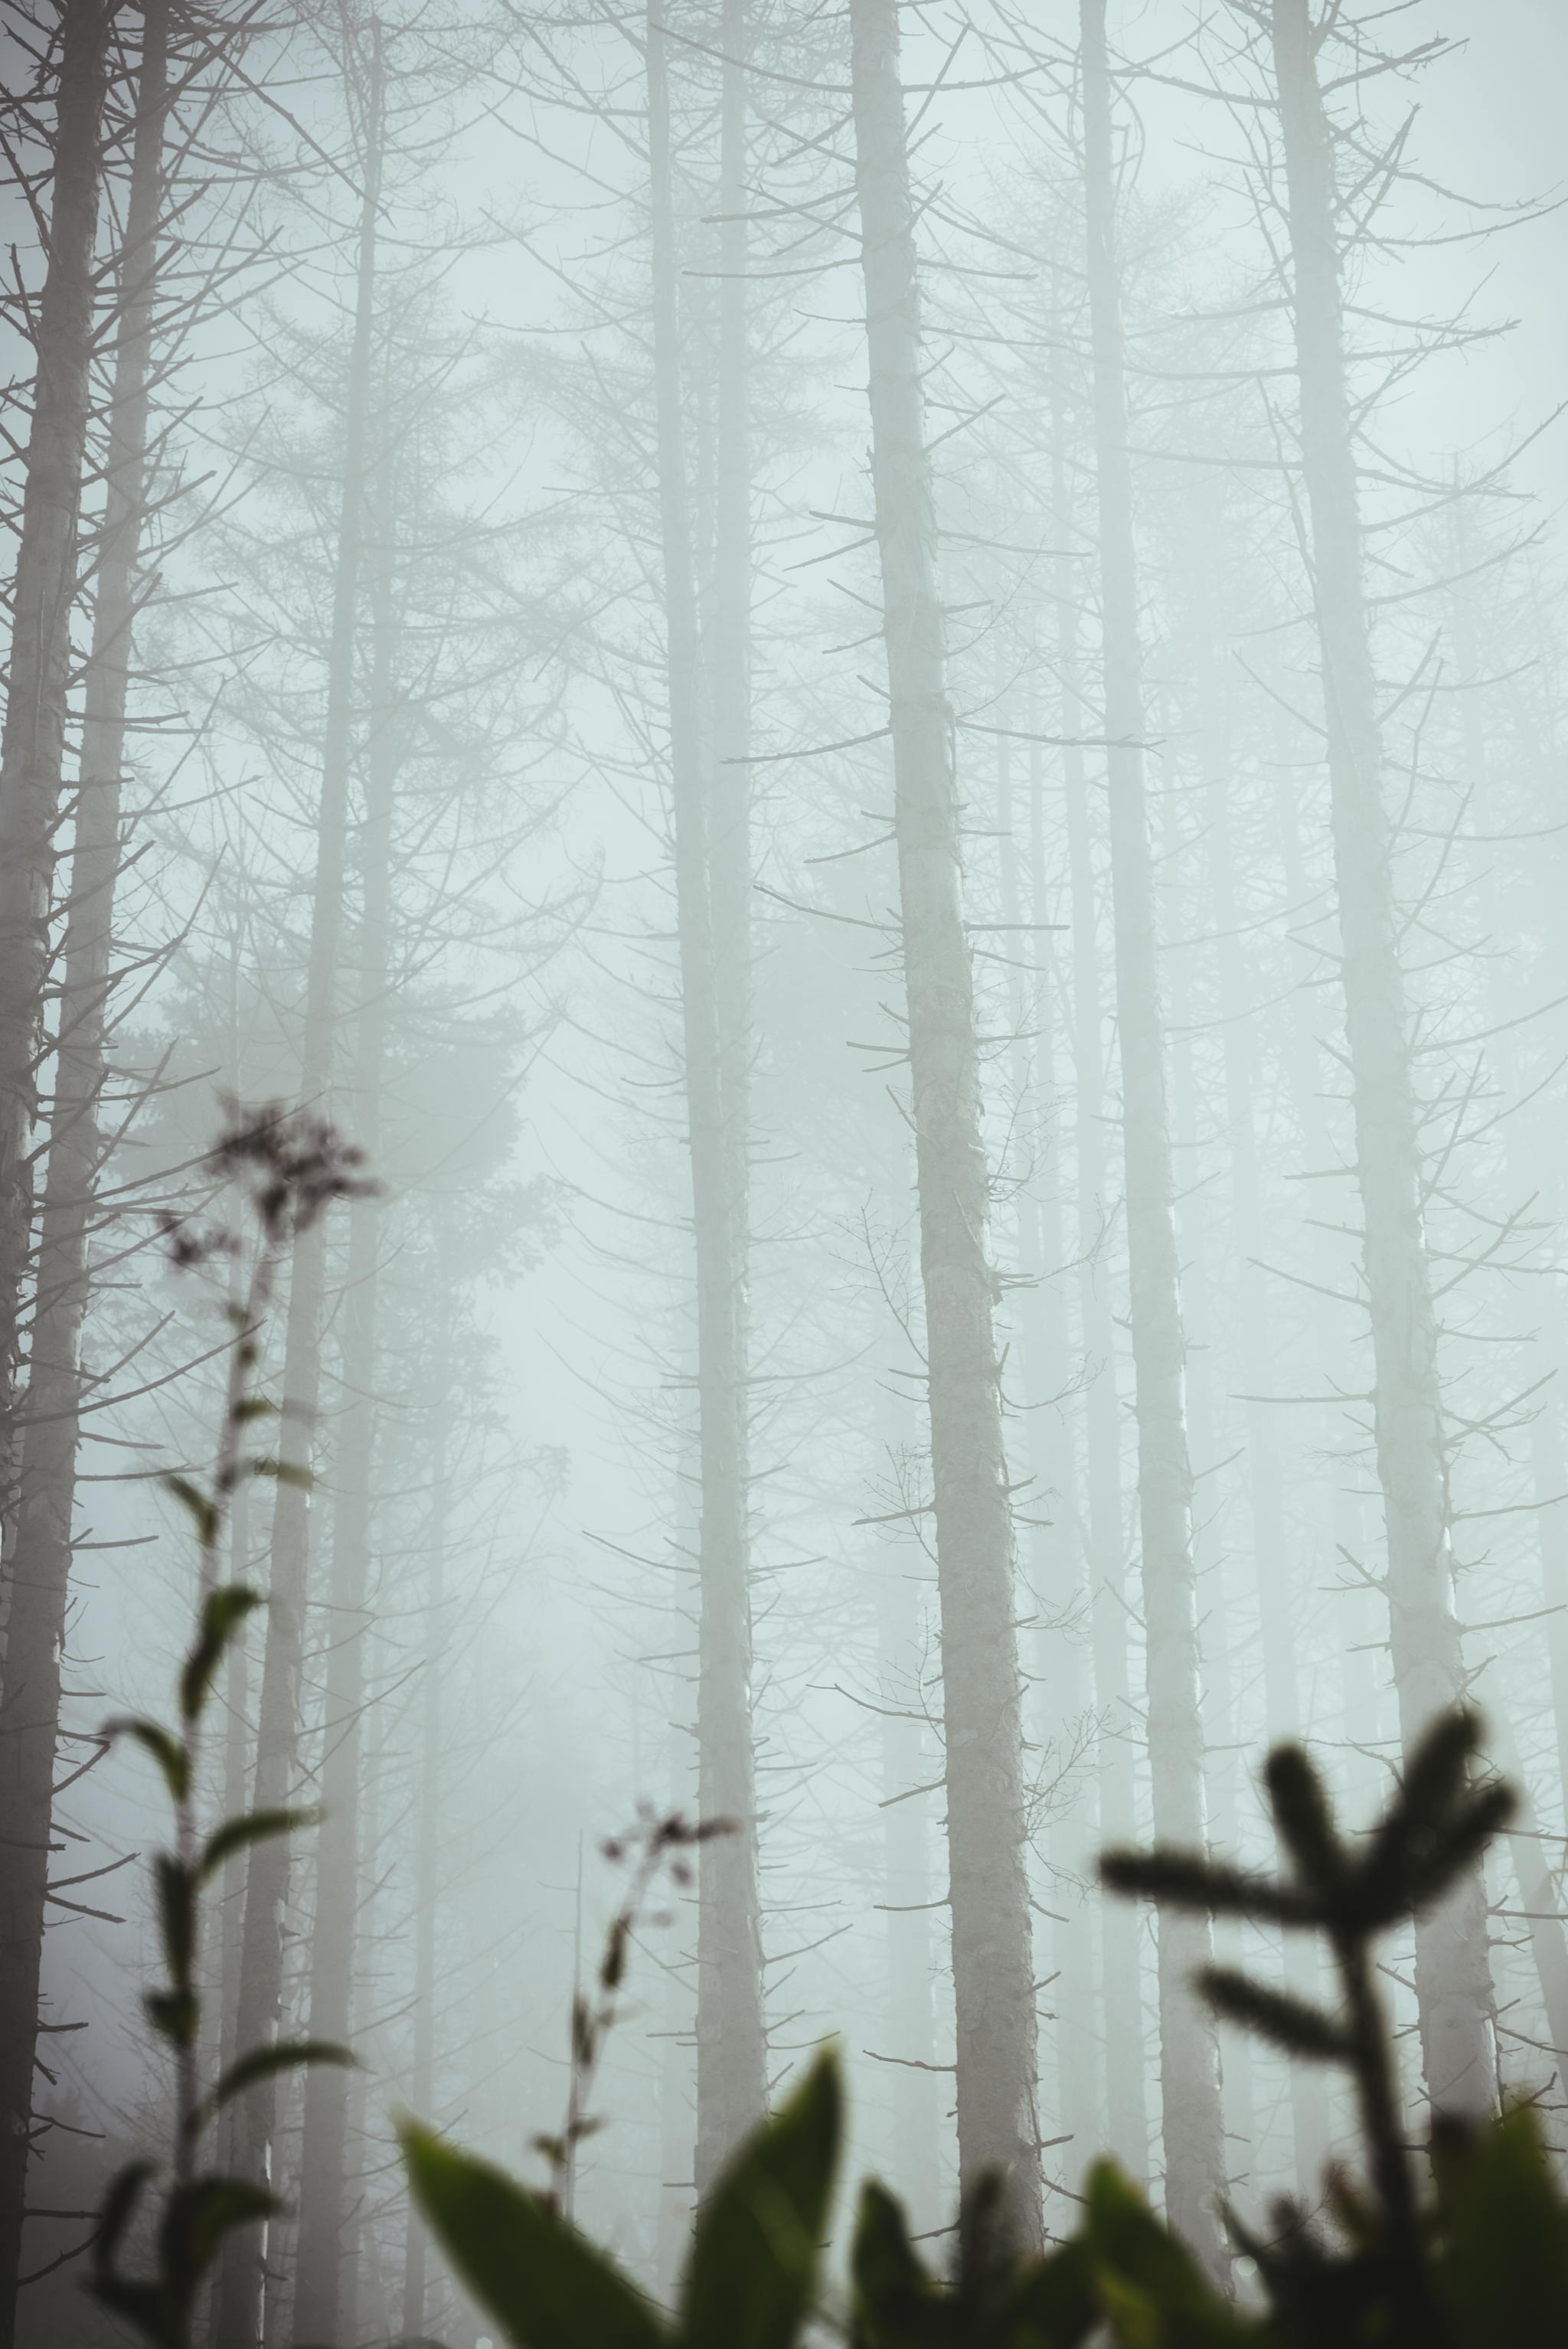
(1452, 1979)
(992, 1972)
(319, 2273)
(427, 1849)
(711, 859)
(1189, 2058)
(42, 1440)
(33, 744)
(239, 2299)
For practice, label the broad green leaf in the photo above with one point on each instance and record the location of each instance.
(544, 2284)
(1505, 2275)
(895, 2301)
(753, 2269)
(255, 1826)
(1051, 2301)
(1147, 2281)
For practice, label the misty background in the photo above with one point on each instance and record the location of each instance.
(510, 1332)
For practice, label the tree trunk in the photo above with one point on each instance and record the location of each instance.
(981, 1697)
(32, 746)
(427, 1858)
(731, 2066)
(1452, 1980)
(277, 1733)
(1127, 2111)
(319, 2274)
(1189, 2060)
(30, 773)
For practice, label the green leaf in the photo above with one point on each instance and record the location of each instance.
(1505, 2275)
(175, 2014)
(253, 1407)
(895, 2301)
(203, 1510)
(260, 2063)
(196, 2218)
(253, 1826)
(223, 1611)
(753, 2268)
(1051, 2301)
(1147, 2281)
(167, 1750)
(1304, 1818)
(287, 1471)
(545, 2287)
(1289, 2021)
(1189, 1880)
(176, 1890)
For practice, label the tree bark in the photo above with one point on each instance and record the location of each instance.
(712, 860)
(1189, 2061)
(45, 1434)
(319, 2275)
(33, 743)
(426, 1863)
(1452, 1980)
(240, 2300)
(982, 1696)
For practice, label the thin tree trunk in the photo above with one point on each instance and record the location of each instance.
(982, 1695)
(30, 776)
(33, 744)
(427, 1849)
(1189, 2059)
(732, 2083)
(1127, 2111)
(1452, 1979)
(1271, 1544)
(324, 2147)
(277, 1736)
(914, 2164)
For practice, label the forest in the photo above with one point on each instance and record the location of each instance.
(779, 1032)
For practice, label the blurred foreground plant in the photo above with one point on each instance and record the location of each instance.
(295, 1166)
(1478, 2259)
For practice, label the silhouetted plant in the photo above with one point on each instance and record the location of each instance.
(299, 1165)
(658, 1840)
(1479, 2262)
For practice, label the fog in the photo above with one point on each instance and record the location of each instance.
(950, 1018)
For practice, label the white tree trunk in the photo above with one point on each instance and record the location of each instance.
(1189, 2060)
(992, 1944)
(711, 858)
(241, 2296)
(1453, 1985)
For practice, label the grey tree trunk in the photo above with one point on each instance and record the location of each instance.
(427, 1861)
(241, 2288)
(1126, 2110)
(42, 1441)
(1452, 1979)
(1189, 2059)
(32, 746)
(712, 866)
(981, 1697)
(319, 2276)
